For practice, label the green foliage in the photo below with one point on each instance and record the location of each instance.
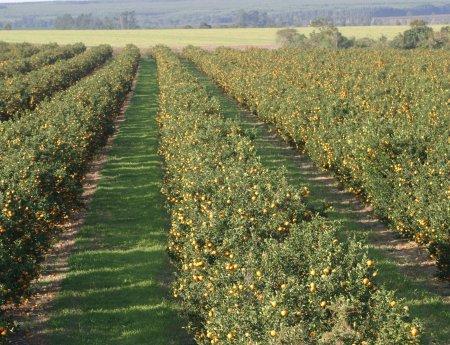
(417, 23)
(417, 36)
(43, 159)
(17, 50)
(442, 38)
(23, 92)
(327, 36)
(290, 37)
(363, 115)
(45, 57)
(422, 36)
(256, 264)
(364, 43)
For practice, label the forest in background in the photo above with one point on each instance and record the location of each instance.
(111, 14)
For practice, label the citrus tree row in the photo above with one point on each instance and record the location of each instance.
(23, 92)
(45, 57)
(256, 264)
(378, 119)
(18, 50)
(42, 162)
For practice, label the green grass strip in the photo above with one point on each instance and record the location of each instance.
(432, 309)
(116, 289)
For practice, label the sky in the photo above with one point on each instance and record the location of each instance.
(15, 1)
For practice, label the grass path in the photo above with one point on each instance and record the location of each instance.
(431, 308)
(116, 289)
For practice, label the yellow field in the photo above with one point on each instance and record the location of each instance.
(181, 37)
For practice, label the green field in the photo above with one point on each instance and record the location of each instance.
(182, 37)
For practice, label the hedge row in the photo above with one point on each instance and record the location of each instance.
(257, 265)
(42, 162)
(378, 119)
(45, 57)
(23, 92)
(18, 50)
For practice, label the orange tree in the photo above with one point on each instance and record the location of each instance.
(42, 162)
(9, 51)
(23, 92)
(256, 264)
(378, 119)
(45, 57)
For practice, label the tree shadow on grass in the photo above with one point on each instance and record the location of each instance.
(117, 288)
(117, 298)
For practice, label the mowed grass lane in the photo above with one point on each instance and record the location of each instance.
(432, 309)
(116, 289)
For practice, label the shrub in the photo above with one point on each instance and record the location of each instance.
(290, 37)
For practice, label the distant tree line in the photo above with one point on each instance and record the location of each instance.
(430, 18)
(326, 35)
(125, 20)
(253, 19)
(340, 16)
